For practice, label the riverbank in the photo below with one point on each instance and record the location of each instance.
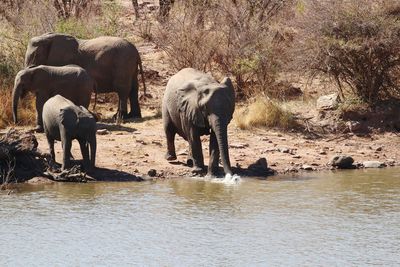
(136, 150)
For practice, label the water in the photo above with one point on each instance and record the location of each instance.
(350, 218)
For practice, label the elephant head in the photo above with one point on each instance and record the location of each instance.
(22, 85)
(79, 123)
(51, 49)
(207, 106)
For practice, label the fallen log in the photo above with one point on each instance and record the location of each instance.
(20, 160)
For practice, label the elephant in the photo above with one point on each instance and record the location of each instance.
(65, 121)
(70, 81)
(195, 104)
(112, 62)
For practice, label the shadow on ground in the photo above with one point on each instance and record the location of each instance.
(115, 127)
(109, 175)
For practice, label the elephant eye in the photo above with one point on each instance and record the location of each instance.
(206, 92)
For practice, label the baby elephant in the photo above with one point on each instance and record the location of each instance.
(195, 104)
(70, 81)
(64, 121)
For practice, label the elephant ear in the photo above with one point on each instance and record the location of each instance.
(188, 103)
(62, 51)
(230, 94)
(69, 119)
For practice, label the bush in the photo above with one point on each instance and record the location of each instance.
(264, 113)
(238, 38)
(356, 43)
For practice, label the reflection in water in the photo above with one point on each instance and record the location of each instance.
(346, 218)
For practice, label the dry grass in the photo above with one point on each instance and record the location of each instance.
(264, 113)
(26, 110)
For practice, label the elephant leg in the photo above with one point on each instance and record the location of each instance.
(134, 99)
(50, 141)
(170, 133)
(196, 152)
(85, 153)
(39, 109)
(66, 145)
(122, 105)
(214, 156)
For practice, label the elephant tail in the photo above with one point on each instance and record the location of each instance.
(142, 73)
(95, 95)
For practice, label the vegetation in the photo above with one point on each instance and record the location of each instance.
(262, 112)
(355, 43)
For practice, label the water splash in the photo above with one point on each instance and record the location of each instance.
(228, 179)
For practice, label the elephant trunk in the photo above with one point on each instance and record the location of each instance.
(220, 128)
(17, 91)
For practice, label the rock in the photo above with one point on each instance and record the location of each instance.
(103, 132)
(296, 157)
(342, 162)
(354, 126)
(391, 162)
(322, 152)
(373, 164)
(260, 167)
(328, 102)
(152, 172)
(307, 167)
(284, 150)
(378, 149)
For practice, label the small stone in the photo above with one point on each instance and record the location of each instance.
(378, 149)
(307, 167)
(322, 152)
(296, 157)
(103, 132)
(373, 164)
(284, 150)
(152, 172)
(238, 145)
(146, 155)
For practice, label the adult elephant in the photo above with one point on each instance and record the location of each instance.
(71, 81)
(112, 61)
(195, 104)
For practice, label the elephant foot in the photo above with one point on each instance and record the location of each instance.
(38, 129)
(134, 115)
(170, 156)
(197, 170)
(120, 115)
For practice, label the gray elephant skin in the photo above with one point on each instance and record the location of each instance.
(195, 104)
(71, 81)
(64, 121)
(112, 61)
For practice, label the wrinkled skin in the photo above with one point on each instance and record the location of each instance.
(195, 104)
(64, 121)
(70, 81)
(112, 62)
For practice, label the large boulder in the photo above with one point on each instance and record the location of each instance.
(342, 162)
(327, 102)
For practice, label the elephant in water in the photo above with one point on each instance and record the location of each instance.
(195, 104)
(65, 121)
(70, 81)
(113, 62)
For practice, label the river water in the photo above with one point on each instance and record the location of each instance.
(348, 218)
